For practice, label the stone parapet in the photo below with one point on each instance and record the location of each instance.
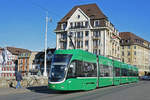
(26, 82)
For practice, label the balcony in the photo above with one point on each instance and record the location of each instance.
(95, 47)
(79, 39)
(78, 27)
(96, 37)
(63, 39)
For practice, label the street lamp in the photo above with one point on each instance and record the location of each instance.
(45, 60)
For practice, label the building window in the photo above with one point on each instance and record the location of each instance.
(134, 52)
(81, 44)
(122, 47)
(78, 24)
(79, 34)
(127, 41)
(96, 33)
(64, 36)
(128, 47)
(86, 24)
(135, 47)
(78, 44)
(95, 51)
(78, 16)
(128, 53)
(21, 61)
(128, 59)
(86, 43)
(99, 52)
(122, 59)
(95, 43)
(122, 41)
(71, 25)
(63, 26)
(134, 59)
(96, 23)
(87, 33)
(122, 53)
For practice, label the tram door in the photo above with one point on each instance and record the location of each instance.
(116, 73)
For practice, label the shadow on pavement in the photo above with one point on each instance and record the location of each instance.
(44, 89)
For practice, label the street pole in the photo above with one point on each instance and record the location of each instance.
(45, 63)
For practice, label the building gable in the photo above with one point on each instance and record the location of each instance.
(78, 16)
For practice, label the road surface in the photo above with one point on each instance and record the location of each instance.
(132, 91)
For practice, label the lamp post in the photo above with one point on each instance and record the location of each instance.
(45, 62)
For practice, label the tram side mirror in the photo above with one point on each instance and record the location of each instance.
(71, 66)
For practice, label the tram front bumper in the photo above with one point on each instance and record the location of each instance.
(60, 86)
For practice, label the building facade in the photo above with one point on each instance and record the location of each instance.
(86, 27)
(38, 62)
(7, 63)
(23, 62)
(31, 61)
(135, 51)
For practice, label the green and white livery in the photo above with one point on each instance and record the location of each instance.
(80, 70)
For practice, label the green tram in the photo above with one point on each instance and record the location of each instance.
(80, 70)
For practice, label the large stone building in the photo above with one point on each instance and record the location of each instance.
(135, 51)
(89, 30)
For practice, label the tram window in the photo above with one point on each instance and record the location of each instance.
(101, 71)
(137, 73)
(106, 71)
(89, 69)
(82, 69)
(72, 70)
(123, 72)
(75, 69)
(79, 69)
(117, 71)
(134, 73)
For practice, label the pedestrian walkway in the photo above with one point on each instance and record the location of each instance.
(7, 91)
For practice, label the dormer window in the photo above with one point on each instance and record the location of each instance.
(71, 25)
(63, 26)
(78, 16)
(86, 24)
(96, 23)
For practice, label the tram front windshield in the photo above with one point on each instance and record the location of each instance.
(59, 67)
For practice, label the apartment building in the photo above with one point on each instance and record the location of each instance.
(89, 30)
(23, 62)
(135, 51)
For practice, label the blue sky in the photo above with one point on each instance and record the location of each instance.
(22, 22)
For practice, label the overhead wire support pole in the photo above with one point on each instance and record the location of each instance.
(45, 61)
(47, 19)
(71, 41)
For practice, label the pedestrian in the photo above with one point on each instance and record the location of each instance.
(18, 79)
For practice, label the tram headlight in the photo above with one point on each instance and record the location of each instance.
(62, 86)
(53, 86)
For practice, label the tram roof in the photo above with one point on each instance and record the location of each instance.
(79, 54)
